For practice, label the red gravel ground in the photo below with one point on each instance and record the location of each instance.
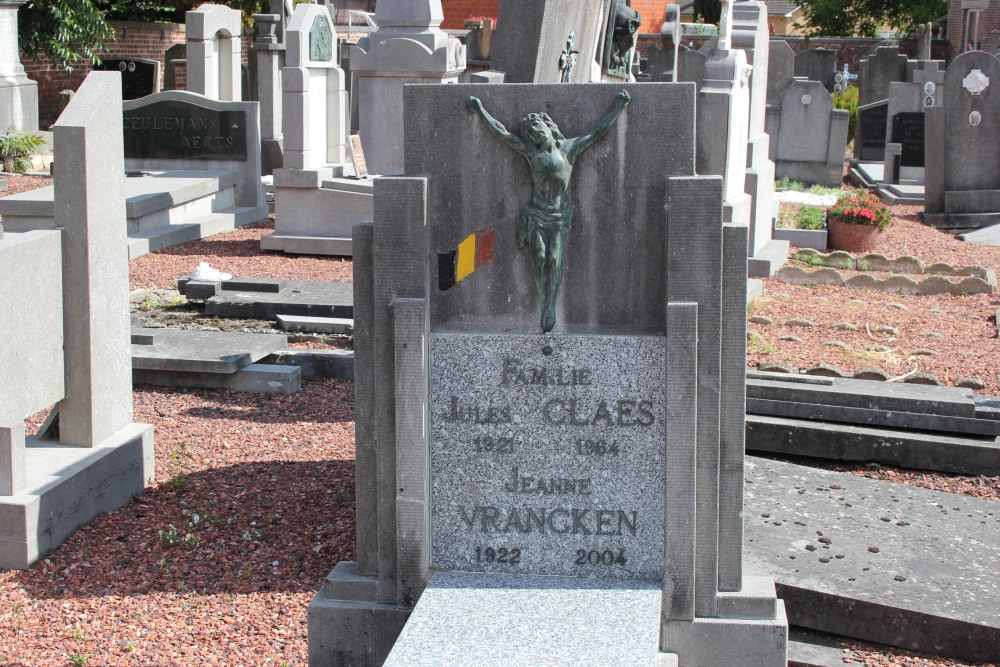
(260, 490)
(253, 501)
(237, 252)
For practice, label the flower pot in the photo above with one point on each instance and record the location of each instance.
(852, 238)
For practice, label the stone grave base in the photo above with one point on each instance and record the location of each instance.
(163, 208)
(768, 259)
(69, 486)
(317, 220)
(347, 626)
(810, 173)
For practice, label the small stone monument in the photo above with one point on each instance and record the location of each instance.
(962, 167)
(817, 65)
(18, 93)
(506, 475)
(408, 47)
(315, 205)
(531, 38)
(214, 52)
(808, 136)
(877, 71)
(270, 50)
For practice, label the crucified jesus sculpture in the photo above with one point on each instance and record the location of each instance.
(546, 219)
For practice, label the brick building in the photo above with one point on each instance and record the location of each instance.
(969, 22)
(457, 11)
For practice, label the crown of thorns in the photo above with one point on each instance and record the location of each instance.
(545, 118)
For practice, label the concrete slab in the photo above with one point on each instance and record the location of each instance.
(498, 620)
(66, 487)
(255, 378)
(311, 298)
(328, 325)
(898, 447)
(986, 236)
(314, 364)
(809, 649)
(878, 561)
(867, 174)
(902, 193)
(178, 350)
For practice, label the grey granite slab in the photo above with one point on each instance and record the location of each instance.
(547, 454)
(201, 351)
(878, 561)
(314, 298)
(503, 620)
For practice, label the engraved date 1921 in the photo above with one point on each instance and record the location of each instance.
(595, 557)
(498, 555)
(493, 445)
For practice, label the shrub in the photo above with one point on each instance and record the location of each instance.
(860, 207)
(848, 99)
(17, 148)
(810, 217)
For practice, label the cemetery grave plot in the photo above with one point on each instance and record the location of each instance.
(173, 612)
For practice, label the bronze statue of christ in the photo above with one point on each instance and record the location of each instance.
(546, 219)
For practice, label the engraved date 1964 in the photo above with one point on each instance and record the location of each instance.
(498, 555)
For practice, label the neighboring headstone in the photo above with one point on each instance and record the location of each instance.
(661, 63)
(315, 206)
(873, 122)
(991, 43)
(140, 77)
(620, 33)
(532, 34)
(214, 52)
(74, 279)
(780, 69)
(808, 136)
(174, 58)
(877, 71)
(270, 61)
(962, 168)
(178, 130)
(817, 65)
(408, 47)
(750, 33)
(18, 93)
(506, 457)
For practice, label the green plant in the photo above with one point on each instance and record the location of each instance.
(818, 189)
(809, 217)
(179, 465)
(859, 207)
(848, 99)
(861, 265)
(785, 183)
(78, 659)
(169, 537)
(17, 149)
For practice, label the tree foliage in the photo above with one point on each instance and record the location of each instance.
(71, 31)
(864, 18)
(707, 11)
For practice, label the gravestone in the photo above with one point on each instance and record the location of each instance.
(962, 171)
(315, 205)
(408, 47)
(808, 136)
(536, 468)
(621, 29)
(780, 69)
(908, 132)
(174, 58)
(214, 52)
(873, 123)
(72, 277)
(817, 65)
(532, 35)
(877, 71)
(750, 33)
(181, 131)
(18, 93)
(991, 43)
(140, 77)
(270, 53)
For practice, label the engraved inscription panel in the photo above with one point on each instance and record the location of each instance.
(547, 454)
(173, 129)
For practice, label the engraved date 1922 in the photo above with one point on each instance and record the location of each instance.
(498, 555)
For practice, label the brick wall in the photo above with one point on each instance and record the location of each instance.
(653, 12)
(134, 40)
(457, 11)
(956, 24)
